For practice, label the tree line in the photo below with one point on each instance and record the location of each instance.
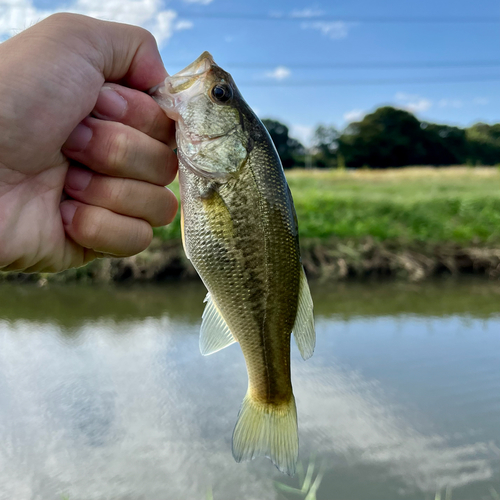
(389, 137)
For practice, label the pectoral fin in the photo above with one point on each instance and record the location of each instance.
(183, 236)
(214, 333)
(303, 329)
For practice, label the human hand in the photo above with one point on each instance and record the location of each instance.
(113, 165)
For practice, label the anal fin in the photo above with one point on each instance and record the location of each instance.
(303, 329)
(214, 334)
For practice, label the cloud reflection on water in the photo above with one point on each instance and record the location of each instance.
(132, 411)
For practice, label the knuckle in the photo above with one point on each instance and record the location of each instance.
(166, 166)
(61, 18)
(91, 227)
(142, 236)
(147, 234)
(171, 167)
(145, 35)
(119, 153)
(155, 124)
(116, 192)
(63, 22)
(167, 209)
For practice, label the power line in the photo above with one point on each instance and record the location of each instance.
(361, 65)
(381, 81)
(493, 19)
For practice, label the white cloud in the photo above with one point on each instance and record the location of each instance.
(183, 24)
(130, 416)
(303, 133)
(334, 29)
(17, 15)
(419, 105)
(279, 73)
(482, 101)
(413, 102)
(354, 115)
(450, 103)
(403, 96)
(306, 13)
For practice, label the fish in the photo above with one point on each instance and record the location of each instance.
(239, 229)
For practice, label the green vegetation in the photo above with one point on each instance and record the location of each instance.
(290, 150)
(453, 205)
(411, 224)
(390, 137)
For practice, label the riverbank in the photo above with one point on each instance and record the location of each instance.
(411, 224)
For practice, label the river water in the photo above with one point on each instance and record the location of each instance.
(104, 395)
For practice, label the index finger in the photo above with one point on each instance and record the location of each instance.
(135, 109)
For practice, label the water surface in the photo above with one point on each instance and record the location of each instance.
(104, 395)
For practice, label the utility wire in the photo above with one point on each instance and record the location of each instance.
(361, 65)
(493, 19)
(381, 81)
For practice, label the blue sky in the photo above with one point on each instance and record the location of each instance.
(184, 29)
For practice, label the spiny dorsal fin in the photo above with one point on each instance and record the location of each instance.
(303, 329)
(214, 333)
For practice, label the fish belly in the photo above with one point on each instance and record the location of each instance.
(241, 237)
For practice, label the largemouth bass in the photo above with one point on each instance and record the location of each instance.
(239, 230)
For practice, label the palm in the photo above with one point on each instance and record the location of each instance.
(36, 183)
(43, 242)
(66, 60)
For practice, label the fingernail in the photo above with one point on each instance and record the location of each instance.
(78, 139)
(67, 213)
(110, 105)
(78, 179)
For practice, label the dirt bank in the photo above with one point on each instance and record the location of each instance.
(323, 260)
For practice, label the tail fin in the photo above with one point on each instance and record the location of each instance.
(267, 429)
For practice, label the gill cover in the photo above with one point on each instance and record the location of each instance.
(203, 99)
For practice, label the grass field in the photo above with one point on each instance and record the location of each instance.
(456, 204)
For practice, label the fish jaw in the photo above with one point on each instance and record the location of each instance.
(210, 139)
(184, 85)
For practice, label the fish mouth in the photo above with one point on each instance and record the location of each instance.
(185, 78)
(169, 93)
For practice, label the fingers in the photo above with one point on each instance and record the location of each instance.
(115, 149)
(154, 204)
(135, 109)
(119, 52)
(103, 231)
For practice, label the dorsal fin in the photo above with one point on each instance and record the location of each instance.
(214, 333)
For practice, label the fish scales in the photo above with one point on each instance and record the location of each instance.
(240, 232)
(254, 274)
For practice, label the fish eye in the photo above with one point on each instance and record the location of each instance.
(222, 93)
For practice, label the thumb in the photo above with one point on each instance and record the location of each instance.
(121, 53)
(66, 58)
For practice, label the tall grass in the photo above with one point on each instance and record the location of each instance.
(458, 204)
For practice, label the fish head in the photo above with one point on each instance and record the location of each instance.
(208, 109)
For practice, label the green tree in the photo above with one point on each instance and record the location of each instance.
(483, 144)
(326, 144)
(291, 151)
(388, 137)
(445, 145)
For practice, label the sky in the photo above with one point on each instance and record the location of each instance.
(306, 63)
